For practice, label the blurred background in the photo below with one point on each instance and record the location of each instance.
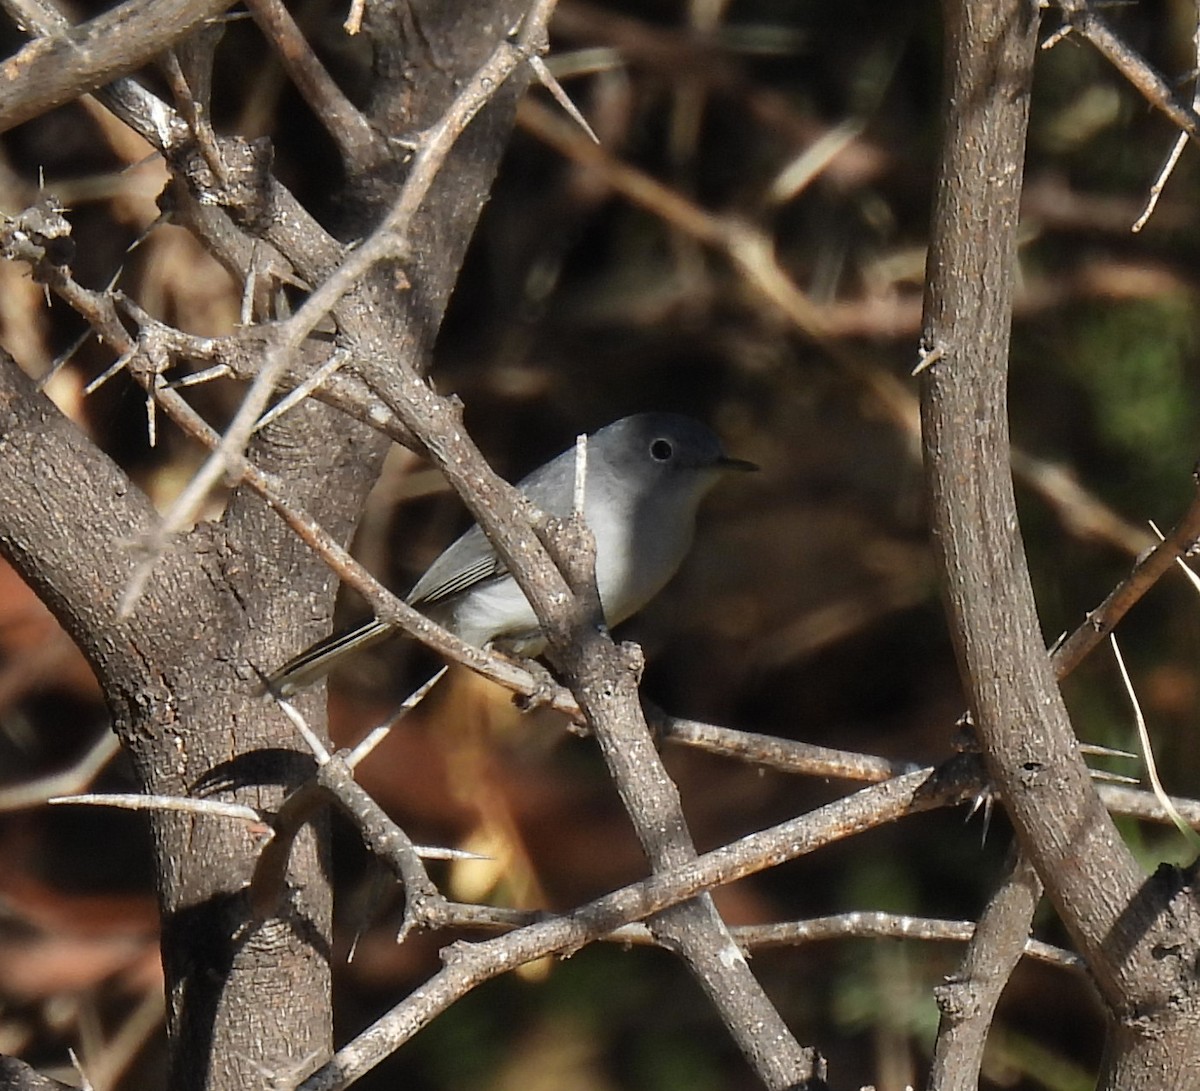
(747, 246)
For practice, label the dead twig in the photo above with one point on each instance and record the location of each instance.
(469, 965)
(967, 1001)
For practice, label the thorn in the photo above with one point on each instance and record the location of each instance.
(376, 736)
(550, 82)
(116, 366)
(926, 358)
(1098, 751)
(64, 359)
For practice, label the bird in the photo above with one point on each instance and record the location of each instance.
(646, 476)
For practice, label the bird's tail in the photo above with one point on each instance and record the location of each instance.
(315, 662)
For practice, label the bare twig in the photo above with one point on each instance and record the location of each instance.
(1164, 173)
(359, 144)
(867, 925)
(1148, 570)
(43, 789)
(1151, 765)
(1080, 18)
(135, 802)
(1138, 803)
(967, 1001)
(468, 965)
(856, 924)
(55, 69)
(787, 755)
(790, 756)
(1173, 156)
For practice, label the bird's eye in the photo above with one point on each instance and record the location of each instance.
(661, 450)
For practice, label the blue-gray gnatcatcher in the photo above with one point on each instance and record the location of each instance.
(646, 476)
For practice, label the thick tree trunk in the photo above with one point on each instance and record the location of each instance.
(250, 1002)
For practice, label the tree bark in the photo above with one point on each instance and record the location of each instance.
(1140, 938)
(248, 1003)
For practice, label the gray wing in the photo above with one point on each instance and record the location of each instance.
(468, 562)
(471, 560)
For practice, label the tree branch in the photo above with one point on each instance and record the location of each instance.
(469, 965)
(1019, 715)
(56, 69)
(967, 1001)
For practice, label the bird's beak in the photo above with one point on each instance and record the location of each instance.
(739, 464)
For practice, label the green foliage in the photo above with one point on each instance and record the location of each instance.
(1134, 361)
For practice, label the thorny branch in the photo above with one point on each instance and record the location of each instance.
(1080, 18)
(71, 60)
(290, 335)
(694, 927)
(778, 752)
(469, 965)
(388, 241)
(967, 1001)
(1122, 923)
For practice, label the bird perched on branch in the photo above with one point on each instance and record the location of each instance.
(646, 475)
